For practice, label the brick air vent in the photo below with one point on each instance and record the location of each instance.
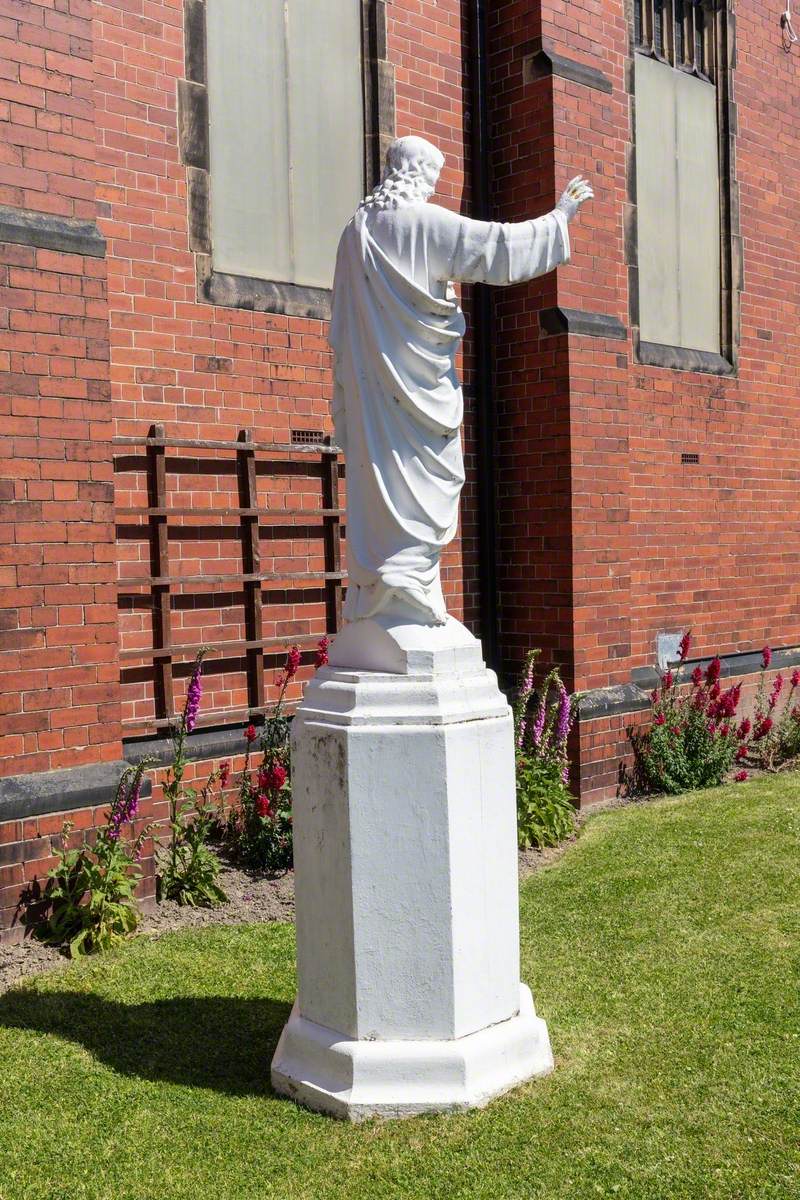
(306, 437)
(690, 459)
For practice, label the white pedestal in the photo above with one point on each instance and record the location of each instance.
(409, 997)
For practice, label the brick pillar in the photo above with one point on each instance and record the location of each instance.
(560, 108)
(534, 567)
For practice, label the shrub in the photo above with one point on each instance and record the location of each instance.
(545, 808)
(776, 733)
(189, 868)
(90, 894)
(693, 740)
(258, 829)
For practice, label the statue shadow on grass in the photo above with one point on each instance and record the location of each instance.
(216, 1042)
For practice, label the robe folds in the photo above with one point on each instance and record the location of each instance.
(395, 331)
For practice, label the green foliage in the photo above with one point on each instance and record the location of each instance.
(258, 829)
(188, 867)
(261, 841)
(545, 808)
(776, 728)
(684, 755)
(91, 905)
(693, 739)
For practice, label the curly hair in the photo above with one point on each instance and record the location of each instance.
(405, 180)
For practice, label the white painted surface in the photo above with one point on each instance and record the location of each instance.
(678, 207)
(406, 880)
(360, 1079)
(248, 122)
(286, 134)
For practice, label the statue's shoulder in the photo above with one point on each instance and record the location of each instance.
(432, 217)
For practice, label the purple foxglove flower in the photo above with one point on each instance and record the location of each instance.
(193, 694)
(538, 725)
(564, 711)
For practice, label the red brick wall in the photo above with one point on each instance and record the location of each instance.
(604, 538)
(58, 674)
(715, 545)
(657, 545)
(276, 370)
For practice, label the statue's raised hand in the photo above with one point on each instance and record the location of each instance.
(576, 193)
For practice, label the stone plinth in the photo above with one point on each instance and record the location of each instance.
(409, 995)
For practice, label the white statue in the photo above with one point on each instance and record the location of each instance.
(396, 330)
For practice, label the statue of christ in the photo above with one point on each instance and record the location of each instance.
(398, 406)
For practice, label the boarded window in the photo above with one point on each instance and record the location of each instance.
(678, 206)
(286, 135)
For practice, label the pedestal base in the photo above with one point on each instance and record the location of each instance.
(355, 1079)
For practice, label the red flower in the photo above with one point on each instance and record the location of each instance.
(292, 662)
(777, 688)
(741, 753)
(725, 730)
(715, 692)
(795, 678)
(712, 729)
(667, 681)
(743, 729)
(740, 776)
(676, 729)
(224, 774)
(660, 719)
(766, 657)
(713, 670)
(250, 734)
(697, 676)
(263, 805)
(728, 702)
(763, 728)
(654, 696)
(275, 776)
(685, 646)
(321, 659)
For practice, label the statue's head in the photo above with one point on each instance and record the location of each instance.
(412, 170)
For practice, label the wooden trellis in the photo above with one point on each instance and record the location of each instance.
(162, 584)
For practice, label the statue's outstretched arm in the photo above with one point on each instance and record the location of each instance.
(501, 253)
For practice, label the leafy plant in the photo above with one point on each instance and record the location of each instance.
(91, 892)
(693, 740)
(776, 734)
(545, 808)
(258, 829)
(189, 868)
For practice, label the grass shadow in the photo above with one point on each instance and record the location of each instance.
(216, 1042)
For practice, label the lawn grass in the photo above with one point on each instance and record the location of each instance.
(662, 951)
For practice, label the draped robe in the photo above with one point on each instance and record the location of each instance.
(395, 331)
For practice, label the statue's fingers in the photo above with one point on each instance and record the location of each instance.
(573, 183)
